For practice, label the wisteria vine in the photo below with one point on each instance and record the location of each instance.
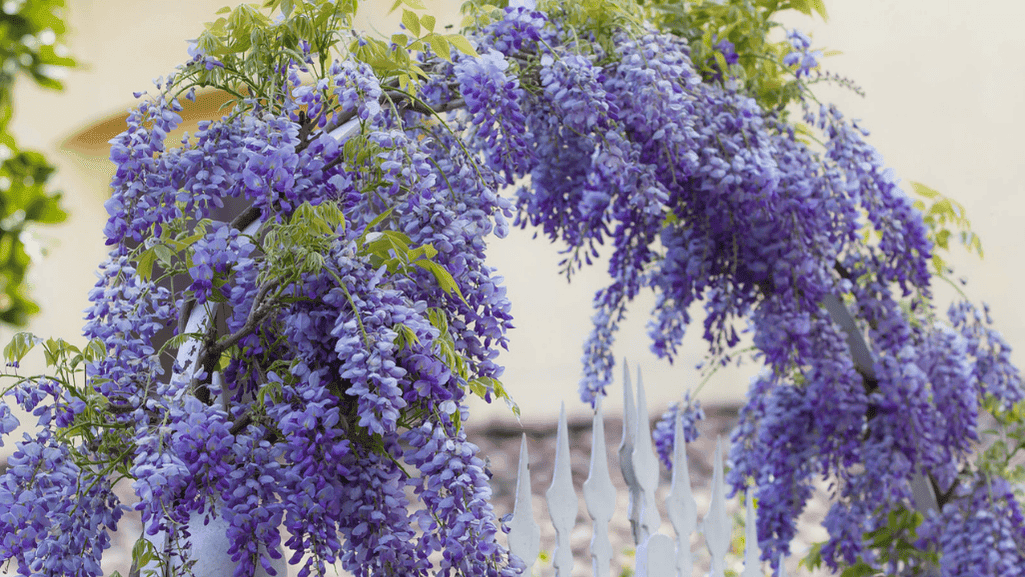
(326, 336)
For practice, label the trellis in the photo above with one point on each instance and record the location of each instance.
(657, 554)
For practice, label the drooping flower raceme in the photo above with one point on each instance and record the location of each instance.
(325, 337)
(359, 313)
(701, 195)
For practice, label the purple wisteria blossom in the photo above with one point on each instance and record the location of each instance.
(326, 337)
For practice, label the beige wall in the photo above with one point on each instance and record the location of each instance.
(944, 82)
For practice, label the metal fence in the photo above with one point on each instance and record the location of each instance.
(657, 554)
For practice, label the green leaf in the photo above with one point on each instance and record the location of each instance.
(428, 21)
(442, 276)
(426, 251)
(411, 22)
(803, 6)
(143, 552)
(820, 7)
(440, 46)
(180, 244)
(53, 350)
(478, 388)
(95, 350)
(20, 346)
(923, 190)
(144, 268)
(438, 319)
(462, 44)
(859, 569)
(721, 60)
(373, 224)
(813, 560)
(164, 254)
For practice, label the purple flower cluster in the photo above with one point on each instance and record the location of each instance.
(802, 56)
(903, 250)
(334, 368)
(453, 486)
(55, 515)
(143, 185)
(326, 386)
(704, 196)
(728, 50)
(982, 533)
(492, 99)
(993, 371)
(521, 29)
(126, 314)
(221, 251)
(380, 539)
(690, 412)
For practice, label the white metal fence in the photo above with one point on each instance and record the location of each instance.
(658, 555)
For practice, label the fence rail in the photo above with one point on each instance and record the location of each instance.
(657, 554)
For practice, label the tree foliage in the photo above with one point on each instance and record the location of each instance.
(30, 36)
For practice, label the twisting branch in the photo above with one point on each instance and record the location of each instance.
(203, 360)
(262, 306)
(925, 488)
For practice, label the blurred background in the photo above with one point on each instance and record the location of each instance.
(945, 85)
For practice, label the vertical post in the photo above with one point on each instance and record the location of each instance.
(600, 497)
(562, 501)
(646, 467)
(752, 553)
(524, 532)
(626, 449)
(782, 568)
(680, 504)
(717, 525)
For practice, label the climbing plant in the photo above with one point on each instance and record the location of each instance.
(327, 337)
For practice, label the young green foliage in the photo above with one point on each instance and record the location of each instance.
(945, 216)
(750, 26)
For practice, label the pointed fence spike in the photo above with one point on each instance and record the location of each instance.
(562, 501)
(717, 525)
(600, 497)
(752, 552)
(646, 468)
(657, 555)
(782, 568)
(524, 532)
(626, 449)
(680, 504)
